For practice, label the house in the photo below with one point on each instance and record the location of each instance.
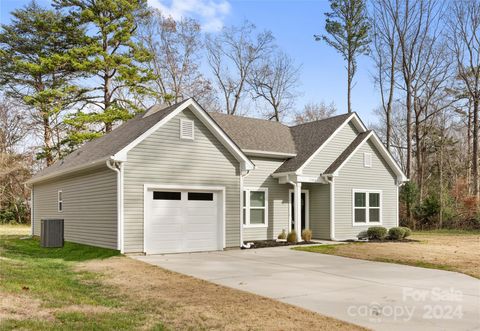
(180, 179)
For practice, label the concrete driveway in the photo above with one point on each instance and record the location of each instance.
(372, 294)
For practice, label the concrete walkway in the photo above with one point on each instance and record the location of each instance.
(376, 295)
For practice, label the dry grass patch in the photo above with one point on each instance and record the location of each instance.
(183, 303)
(447, 251)
(15, 230)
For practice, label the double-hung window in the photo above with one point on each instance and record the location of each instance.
(367, 207)
(255, 207)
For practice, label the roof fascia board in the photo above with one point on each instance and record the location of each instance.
(358, 124)
(68, 171)
(205, 119)
(277, 155)
(383, 152)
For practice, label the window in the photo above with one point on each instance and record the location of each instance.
(255, 207)
(186, 129)
(367, 160)
(158, 195)
(199, 196)
(367, 207)
(60, 201)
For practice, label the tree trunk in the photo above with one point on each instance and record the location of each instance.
(475, 148)
(469, 148)
(349, 85)
(418, 154)
(409, 132)
(47, 139)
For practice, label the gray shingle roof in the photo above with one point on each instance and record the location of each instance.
(111, 143)
(347, 152)
(248, 133)
(256, 134)
(308, 138)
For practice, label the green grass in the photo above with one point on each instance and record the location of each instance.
(49, 275)
(323, 249)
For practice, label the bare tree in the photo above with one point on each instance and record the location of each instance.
(464, 33)
(414, 22)
(232, 55)
(314, 112)
(385, 54)
(175, 47)
(14, 125)
(274, 81)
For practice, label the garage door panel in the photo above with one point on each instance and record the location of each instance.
(187, 225)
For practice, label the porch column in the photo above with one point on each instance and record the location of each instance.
(297, 193)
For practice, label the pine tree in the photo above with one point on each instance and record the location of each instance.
(114, 64)
(40, 53)
(347, 25)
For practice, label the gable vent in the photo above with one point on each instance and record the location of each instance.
(367, 160)
(186, 129)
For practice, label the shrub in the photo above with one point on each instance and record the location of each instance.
(376, 233)
(307, 235)
(362, 235)
(407, 233)
(282, 235)
(396, 233)
(292, 237)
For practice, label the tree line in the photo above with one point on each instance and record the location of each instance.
(72, 72)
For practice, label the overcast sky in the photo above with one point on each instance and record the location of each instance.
(293, 23)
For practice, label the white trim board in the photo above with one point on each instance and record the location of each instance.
(356, 122)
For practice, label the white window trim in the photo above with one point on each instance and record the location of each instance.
(246, 209)
(367, 157)
(59, 193)
(182, 121)
(367, 207)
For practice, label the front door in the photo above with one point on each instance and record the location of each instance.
(292, 206)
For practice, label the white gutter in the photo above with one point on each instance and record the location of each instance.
(117, 166)
(332, 206)
(280, 155)
(247, 172)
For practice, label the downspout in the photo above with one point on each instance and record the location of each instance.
(242, 176)
(332, 206)
(118, 168)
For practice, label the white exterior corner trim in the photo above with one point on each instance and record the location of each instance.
(219, 189)
(120, 202)
(356, 122)
(202, 115)
(275, 155)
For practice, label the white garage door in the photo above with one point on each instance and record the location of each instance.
(183, 221)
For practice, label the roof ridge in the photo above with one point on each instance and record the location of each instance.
(323, 119)
(248, 118)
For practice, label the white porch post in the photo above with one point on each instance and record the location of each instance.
(297, 217)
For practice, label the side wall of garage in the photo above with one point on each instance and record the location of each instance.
(165, 159)
(89, 206)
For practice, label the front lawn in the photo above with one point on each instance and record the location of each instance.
(444, 249)
(80, 287)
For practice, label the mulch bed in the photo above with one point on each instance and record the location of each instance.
(274, 243)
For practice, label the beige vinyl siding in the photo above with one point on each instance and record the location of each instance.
(319, 195)
(89, 206)
(261, 177)
(331, 150)
(354, 175)
(163, 158)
